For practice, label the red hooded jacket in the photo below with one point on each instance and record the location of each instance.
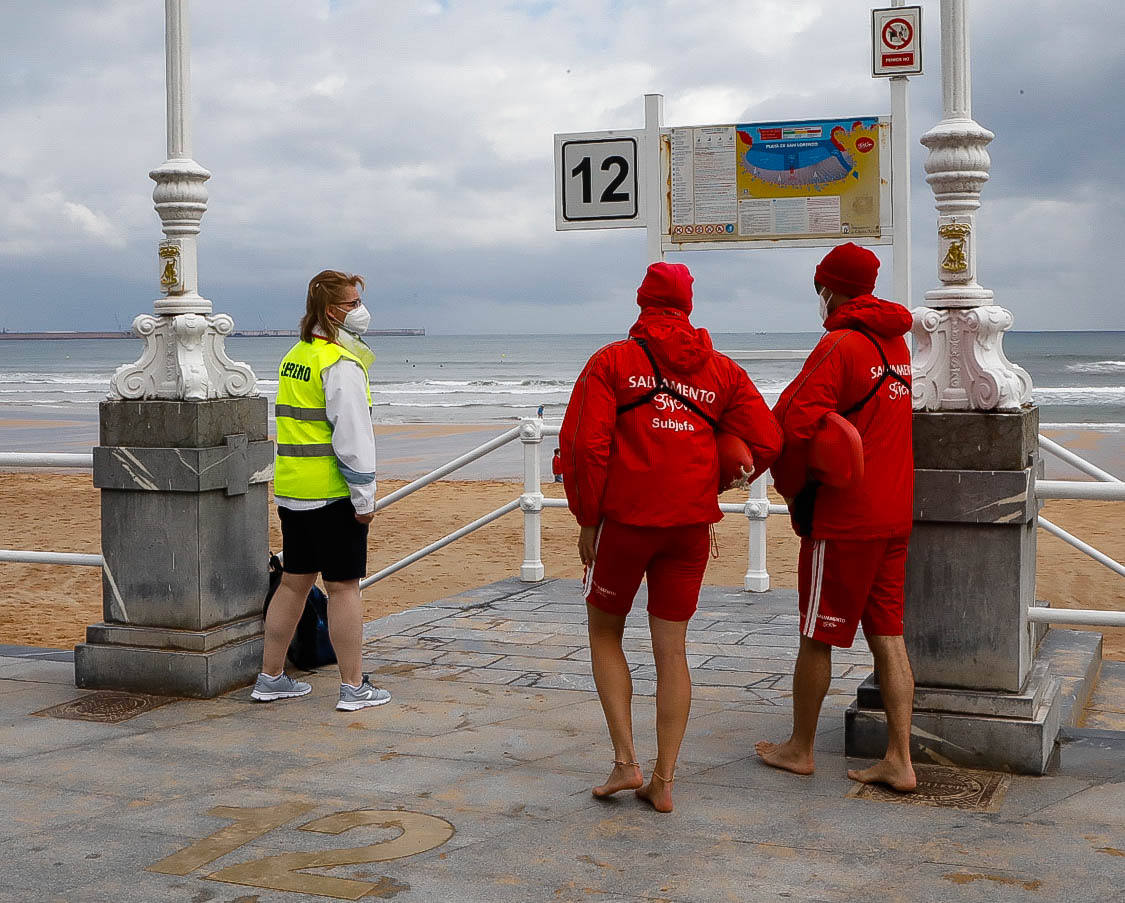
(840, 371)
(657, 464)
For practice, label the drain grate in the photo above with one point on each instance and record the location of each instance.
(106, 706)
(953, 788)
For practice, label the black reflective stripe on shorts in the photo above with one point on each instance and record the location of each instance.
(321, 450)
(296, 413)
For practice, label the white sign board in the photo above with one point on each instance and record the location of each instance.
(896, 41)
(598, 180)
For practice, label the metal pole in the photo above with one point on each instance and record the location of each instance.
(900, 184)
(757, 578)
(531, 502)
(654, 176)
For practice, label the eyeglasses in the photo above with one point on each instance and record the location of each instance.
(349, 305)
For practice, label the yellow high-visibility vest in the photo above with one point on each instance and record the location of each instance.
(306, 465)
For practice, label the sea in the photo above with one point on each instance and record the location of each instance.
(50, 388)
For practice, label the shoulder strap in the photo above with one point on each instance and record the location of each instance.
(888, 373)
(663, 388)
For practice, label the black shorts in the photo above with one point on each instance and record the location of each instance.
(328, 541)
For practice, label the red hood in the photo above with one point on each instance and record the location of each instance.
(675, 343)
(884, 318)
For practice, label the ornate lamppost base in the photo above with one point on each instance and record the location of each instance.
(185, 359)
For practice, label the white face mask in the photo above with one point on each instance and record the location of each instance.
(825, 294)
(358, 320)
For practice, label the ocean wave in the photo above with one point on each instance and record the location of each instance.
(1098, 367)
(1079, 394)
(101, 379)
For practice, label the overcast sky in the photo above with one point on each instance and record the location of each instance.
(411, 142)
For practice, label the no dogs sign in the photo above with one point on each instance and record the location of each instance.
(896, 41)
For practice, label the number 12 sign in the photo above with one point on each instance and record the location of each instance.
(597, 185)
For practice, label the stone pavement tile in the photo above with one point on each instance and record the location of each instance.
(530, 699)
(830, 779)
(513, 637)
(497, 744)
(393, 623)
(377, 655)
(626, 849)
(158, 772)
(1027, 795)
(1102, 805)
(1093, 754)
(37, 670)
(29, 736)
(504, 648)
(84, 855)
(30, 809)
(1054, 860)
(533, 663)
(403, 715)
(467, 659)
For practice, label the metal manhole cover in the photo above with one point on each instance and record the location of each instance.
(106, 706)
(953, 788)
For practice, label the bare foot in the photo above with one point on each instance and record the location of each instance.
(785, 756)
(657, 793)
(896, 775)
(623, 777)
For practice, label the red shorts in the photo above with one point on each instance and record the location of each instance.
(674, 558)
(843, 583)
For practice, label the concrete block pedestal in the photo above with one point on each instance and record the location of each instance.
(185, 541)
(970, 577)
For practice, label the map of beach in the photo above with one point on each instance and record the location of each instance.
(778, 181)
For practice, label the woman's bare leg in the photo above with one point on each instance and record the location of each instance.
(673, 703)
(615, 690)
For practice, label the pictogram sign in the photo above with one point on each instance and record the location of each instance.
(896, 41)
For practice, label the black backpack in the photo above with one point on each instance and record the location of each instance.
(311, 646)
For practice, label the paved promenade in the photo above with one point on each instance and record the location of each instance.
(473, 784)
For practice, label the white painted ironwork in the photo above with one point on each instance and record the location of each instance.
(1081, 616)
(24, 557)
(1080, 489)
(959, 362)
(184, 356)
(47, 459)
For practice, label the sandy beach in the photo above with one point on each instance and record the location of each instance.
(51, 605)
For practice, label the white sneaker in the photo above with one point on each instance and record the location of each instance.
(361, 697)
(267, 689)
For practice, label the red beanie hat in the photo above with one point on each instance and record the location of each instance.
(849, 270)
(666, 285)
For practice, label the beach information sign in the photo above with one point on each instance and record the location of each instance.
(809, 182)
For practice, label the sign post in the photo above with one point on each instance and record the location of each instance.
(896, 51)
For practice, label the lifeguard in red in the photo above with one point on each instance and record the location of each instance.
(852, 564)
(853, 559)
(641, 472)
(655, 466)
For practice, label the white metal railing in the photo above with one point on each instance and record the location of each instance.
(756, 509)
(1107, 488)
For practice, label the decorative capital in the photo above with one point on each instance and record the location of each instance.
(184, 359)
(959, 362)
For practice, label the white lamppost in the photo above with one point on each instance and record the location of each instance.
(959, 361)
(184, 357)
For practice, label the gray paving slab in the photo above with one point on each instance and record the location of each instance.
(495, 731)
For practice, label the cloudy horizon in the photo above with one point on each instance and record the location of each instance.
(412, 143)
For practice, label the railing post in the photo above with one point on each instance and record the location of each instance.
(531, 502)
(757, 509)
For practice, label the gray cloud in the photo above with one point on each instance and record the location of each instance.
(412, 142)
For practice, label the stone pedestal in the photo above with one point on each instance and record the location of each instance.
(970, 578)
(185, 540)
